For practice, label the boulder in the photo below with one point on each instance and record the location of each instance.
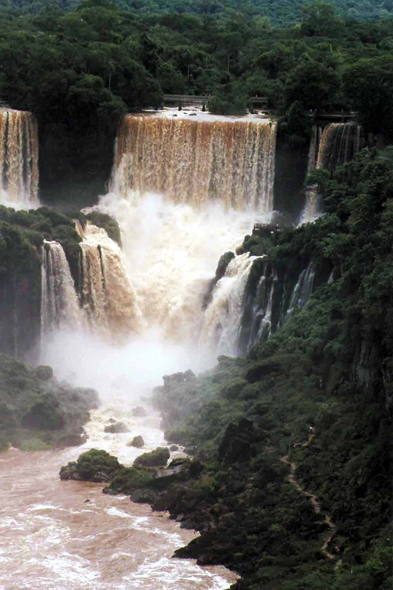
(156, 458)
(142, 496)
(118, 427)
(137, 442)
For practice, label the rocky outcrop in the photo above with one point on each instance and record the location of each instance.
(156, 458)
(94, 465)
(117, 428)
(136, 442)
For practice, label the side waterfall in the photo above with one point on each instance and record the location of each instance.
(18, 158)
(270, 301)
(59, 302)
(222, 318)
(197, 161)
(336, 145)
(107, 297)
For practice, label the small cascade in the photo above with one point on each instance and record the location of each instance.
(106, 295)
(59, 302)
(269, 302)
(222, 318)
(336, 145)
(303, 289)
(18, 158)
(197, 161)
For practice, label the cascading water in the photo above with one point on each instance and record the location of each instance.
(222, 321)
(18, 159)
(336, 145)
(59, 302)
(107, 296)
(303, 289)
(194, 161)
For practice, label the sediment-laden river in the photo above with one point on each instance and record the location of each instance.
(68, 535)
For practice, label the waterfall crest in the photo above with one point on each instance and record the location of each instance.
(337, 144)
(18, 158)
(59, 302)
(196, 161)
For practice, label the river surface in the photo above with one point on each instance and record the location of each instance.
(68, 535)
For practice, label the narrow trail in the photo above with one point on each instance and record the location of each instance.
(316, 505)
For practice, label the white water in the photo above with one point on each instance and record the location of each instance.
(52, 539)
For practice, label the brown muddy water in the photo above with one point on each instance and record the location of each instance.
(57, 535)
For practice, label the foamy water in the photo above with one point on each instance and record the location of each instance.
(68, 535)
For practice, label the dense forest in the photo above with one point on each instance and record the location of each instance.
(80, 72)
(283, 13)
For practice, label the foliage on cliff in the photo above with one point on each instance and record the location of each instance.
(36, 411)
(329, 368)
(22, 234)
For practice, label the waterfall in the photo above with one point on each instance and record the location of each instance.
(196, 161)
(222, 318)
(59, 302)
(336, 145)
(106, 294)
(303, 289)
(18, 158)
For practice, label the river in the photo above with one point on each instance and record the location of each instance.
(68, 535)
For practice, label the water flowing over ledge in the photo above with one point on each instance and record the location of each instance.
(336, 145)
(18, 159)
(197, 161)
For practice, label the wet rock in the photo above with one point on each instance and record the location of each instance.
(137, 442)
(139, 412)
(94, 465)
(156, 458)
(118, 427)
(173, 448)
(143, 496)
(72, 440)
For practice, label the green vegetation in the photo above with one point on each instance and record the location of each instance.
(282, 13)
(329, 367)
(79, 72)
(22, 234)
(36, 412)
(156, 458)
(94, 465)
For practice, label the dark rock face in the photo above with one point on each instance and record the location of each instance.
(116, 428)
(156, 458)
(143, 496)
(137, 442)
(139, 412)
